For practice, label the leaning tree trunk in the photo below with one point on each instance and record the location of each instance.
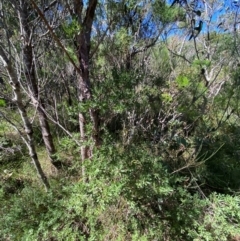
(84, 90)
(14, 82)
(29, 68)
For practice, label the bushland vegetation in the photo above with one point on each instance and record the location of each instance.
(119, 120)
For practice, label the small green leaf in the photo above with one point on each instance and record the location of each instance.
(205, 63)
(2, 103)
(182, 81)
(166, 97)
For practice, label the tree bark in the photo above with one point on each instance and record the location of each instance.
(84, 88)
(30, 74)
(83, 49)
(14, 82)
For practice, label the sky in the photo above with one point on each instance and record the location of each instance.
(217, 17)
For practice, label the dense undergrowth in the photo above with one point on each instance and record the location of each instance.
(168, 175)
(161, 172)
(127, 193)
(149, 151)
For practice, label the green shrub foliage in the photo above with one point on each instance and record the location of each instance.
(144, 122)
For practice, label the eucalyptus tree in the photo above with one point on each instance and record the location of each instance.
(127, 28)
(12, 70)
(28, 27)
(22, 47)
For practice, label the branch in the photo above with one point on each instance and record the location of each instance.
(40, 13)
(99, 42)
(3, 57)
(179, 55)
(50, 5)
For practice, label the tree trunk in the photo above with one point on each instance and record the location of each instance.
(84, 88)
(13, 80)
(29, 69)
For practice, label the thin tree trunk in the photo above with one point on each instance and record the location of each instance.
(83, 48)
(84, 88)
(13, 80)
(30, 75)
